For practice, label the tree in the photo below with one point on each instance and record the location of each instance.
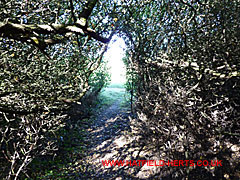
(49, 51)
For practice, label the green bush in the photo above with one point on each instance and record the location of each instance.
(186, 57)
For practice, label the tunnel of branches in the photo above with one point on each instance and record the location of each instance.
(183, 70)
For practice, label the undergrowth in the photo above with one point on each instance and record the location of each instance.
(69, 163)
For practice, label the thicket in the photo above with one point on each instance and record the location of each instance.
(50, 59)
(183, 69)
(186, 57)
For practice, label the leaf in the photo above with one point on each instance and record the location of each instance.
(35, 40)
(75, 42)
(16, 78)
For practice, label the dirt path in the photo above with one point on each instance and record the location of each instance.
(110, 135)
(110, 138)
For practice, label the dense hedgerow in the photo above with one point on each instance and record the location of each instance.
(39, 84)
(186, 56)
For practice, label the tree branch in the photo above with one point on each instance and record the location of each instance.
(30, 32)
(72, 11)
(88, 9)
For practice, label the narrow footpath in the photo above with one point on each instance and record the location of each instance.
(110, 138)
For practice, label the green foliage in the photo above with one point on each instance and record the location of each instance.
(185, 55)
(100, 78)
(183, 70)
(109, 95)
(131, 76)
(38, 84)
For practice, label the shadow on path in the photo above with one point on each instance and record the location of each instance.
(110, 138)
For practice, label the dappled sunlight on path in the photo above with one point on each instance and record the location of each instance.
(110, 139)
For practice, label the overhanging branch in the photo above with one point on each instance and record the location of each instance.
(30, 32)
(84, 15)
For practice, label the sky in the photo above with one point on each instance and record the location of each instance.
(114, 57)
